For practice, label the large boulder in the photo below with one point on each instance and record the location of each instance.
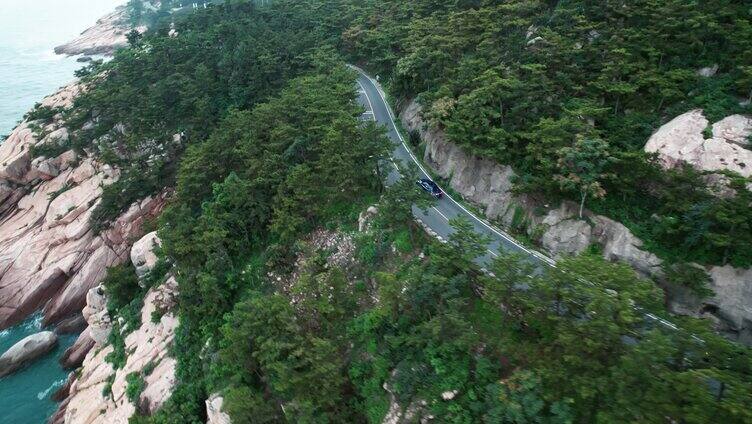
(96, 315)
(619, 244)
(682, 141)
(565, 234)
(25, 351)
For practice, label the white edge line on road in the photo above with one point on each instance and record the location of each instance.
(538, 255)
(494, 254)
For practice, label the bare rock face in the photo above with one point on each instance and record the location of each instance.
(480, 181)
(96, 315)
(73, 357)
(398, 414)
(107, 35)
(142, 253)
(733, 299)
(49, 257)
(25, 351)
(683, 141)
(147, 345)
(214, 413)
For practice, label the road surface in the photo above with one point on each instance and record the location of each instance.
(436, 217)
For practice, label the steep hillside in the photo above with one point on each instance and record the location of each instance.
(292, 285)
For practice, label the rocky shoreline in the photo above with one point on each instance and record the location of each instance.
(51, 260)
(49, 256)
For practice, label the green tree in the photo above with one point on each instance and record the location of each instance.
(583, 167)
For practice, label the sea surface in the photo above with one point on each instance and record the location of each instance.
(29, 30)
(29, 71)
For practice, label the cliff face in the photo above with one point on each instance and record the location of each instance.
(560, 231)
(147, 355)
(49, 256)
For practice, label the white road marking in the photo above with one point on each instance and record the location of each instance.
(495, 255)
(370, 105)
(538, 255)
(439, 212)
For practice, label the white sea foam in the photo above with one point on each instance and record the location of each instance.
(54, 386)
(34, 323)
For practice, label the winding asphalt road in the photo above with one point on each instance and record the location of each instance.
(437, 217)
(372, 97)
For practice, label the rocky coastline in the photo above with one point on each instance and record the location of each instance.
(52, 260)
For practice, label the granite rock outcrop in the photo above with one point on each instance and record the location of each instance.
(49, 255)
(146, 348)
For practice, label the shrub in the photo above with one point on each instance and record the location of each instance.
(42, 113)
(135, 386)
(122, 286)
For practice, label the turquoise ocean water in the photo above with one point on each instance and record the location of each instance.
(29, 70)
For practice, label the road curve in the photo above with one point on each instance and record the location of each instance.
(372, 97)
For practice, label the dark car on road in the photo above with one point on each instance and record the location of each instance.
(430, 187)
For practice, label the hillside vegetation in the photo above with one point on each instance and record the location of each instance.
(250, 114)
(568, 92)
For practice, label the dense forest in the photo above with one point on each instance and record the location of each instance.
(250, 114)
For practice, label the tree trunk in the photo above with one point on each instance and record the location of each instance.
(582, 202)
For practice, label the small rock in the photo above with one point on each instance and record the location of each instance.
(26, 350)
(214, 413)
(84, 59)
(708, 71)
(365, 218)
(449, 395)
